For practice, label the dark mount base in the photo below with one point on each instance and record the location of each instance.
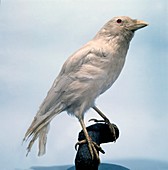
(99, 133)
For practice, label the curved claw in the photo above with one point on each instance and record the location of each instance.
(79, 143)
(94, 143)
(91, 147)
(98, 147)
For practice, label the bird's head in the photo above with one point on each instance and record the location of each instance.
(122, 25)
(126, 23)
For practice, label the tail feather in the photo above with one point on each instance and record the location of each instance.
(43, 140)
(31, 143)
(39, 129)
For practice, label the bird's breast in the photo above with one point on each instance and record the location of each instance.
(113, 69)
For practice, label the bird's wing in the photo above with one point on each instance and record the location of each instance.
(63, 80)
(92, 54)
(81, 66)
(86, 63)
(82, 71)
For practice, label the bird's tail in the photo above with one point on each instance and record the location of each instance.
(39, 129)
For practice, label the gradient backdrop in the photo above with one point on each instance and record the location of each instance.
(37, 36)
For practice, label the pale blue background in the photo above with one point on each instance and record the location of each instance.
(36, 37)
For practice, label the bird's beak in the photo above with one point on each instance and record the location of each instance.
(137, 25)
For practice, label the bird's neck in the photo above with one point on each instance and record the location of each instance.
(116, 44)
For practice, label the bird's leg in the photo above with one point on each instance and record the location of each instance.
(106, 120)
(92, 146)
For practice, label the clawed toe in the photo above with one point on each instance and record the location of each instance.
(98, 147)
(80, 143)
(94, 148)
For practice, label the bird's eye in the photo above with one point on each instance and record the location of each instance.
(119, 21)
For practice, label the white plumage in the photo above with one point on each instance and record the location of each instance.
(85, 75)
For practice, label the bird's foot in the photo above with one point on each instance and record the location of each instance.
(111, 126)
(94, 148)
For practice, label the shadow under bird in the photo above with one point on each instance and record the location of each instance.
(84, 76)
